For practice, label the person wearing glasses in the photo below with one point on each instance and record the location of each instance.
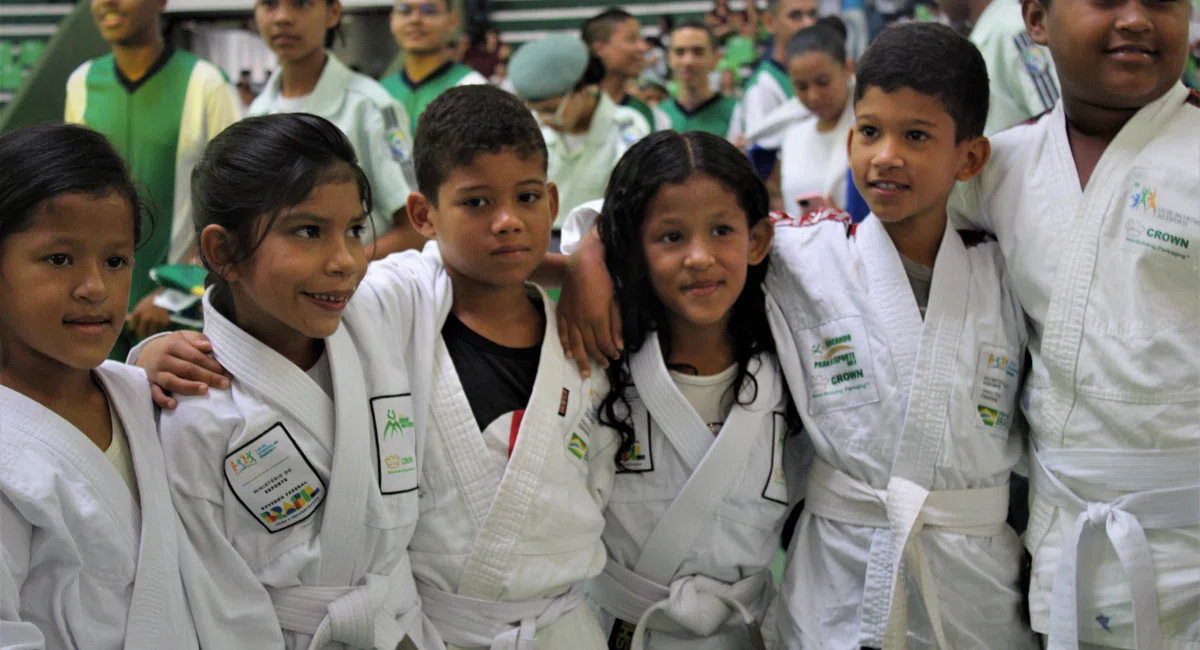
(586, 132)
(310, 79)
(423, 30)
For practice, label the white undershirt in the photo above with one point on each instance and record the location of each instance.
(119, 455)
(291, 104)
(321, 373)
(711, 396)
(804, 162)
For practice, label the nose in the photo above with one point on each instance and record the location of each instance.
(888, 154)
(91, 286)
(699, 255)
(506, 221)
(342, 259)
(1132, 16)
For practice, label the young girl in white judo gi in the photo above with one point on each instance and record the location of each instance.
(698, 398)
(1097, 206)
(299, 484)
(902, 343)
(89, 543)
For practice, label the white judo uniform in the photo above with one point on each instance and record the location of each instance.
(302, 503)
(82, 563)
(504, 544)
(903, 540)
(694, 520)
(1108, 275)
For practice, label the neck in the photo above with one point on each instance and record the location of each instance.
(1095, 122)
(918, 238)
(419, 65)
(826, 125)
(585, 119)
(44, 380)
(300, 77)
(613, 85)
(135, 59)
(690, 98)
(779, 52)
(707, 348)
(502, 313)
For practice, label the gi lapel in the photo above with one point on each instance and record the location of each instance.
(157, 589)
(679, 421)
(1064, 324)
(889, 290)
(268, 373)
(541, 432)
(720, 467)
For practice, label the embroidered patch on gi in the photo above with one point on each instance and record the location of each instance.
(562, 403)
(1157, 221)
(997, 376)
(640, 457)
(273, 480)
(776, 487)
(578, 446)
(837, 356)
(396, 443)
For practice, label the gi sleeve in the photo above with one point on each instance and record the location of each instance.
(16, 537)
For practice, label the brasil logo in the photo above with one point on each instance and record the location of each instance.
(300, 498)
(577, 447)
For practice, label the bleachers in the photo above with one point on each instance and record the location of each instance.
(25, 28)
(525, 20)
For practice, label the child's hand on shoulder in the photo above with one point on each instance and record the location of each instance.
(180, 364)
(589, 322)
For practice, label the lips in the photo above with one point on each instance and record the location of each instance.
(505, 251)
(1131, 52)
(285, 39)
(87, 320)
(702, 289)
(888, 187)
(88, 325)
(335, 301)
(111, 19)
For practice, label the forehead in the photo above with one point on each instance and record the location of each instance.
(698, 198)
(903, 105)
(94, 219)
(690, 37)
(625, 28)
(496, 169)
(788, 6)
(444, 5)
(808, 63)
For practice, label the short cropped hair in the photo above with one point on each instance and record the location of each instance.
(933, 60)
(696, 24)
(822, 37)
(466, 121)
(600, 28)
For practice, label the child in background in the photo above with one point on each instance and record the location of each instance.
(92, 555)
(1109, 286)
(702, 489)
(310, 79)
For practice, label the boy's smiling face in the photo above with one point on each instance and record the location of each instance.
(1114, 54)
(904, 155)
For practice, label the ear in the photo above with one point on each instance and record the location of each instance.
(216, 245)
(849, 136)
(333, 15)
(975, 154)
(394, 24)
(769, 20)
(849, 67)
(761, 235)
(420, 213)
(454, 19)
(552, 194)
(1035, 20)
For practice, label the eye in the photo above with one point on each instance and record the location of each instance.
(868, 131)
(723, 230)
(58, 259)
(917, 136)
(530, 197)
(308, 232)
(116, 263)
(358, 232)
(671, 237)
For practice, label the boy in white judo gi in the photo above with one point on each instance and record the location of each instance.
(516, 472)
(1096, 205)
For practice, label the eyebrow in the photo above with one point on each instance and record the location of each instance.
(917, 122)
(483, 186)
(293, 217)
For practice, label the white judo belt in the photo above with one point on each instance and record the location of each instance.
(360, 617)
(979, 512)
(1162, 490)
(494, 624)
(691, 606)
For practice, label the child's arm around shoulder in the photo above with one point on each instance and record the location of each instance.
(178, 363)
